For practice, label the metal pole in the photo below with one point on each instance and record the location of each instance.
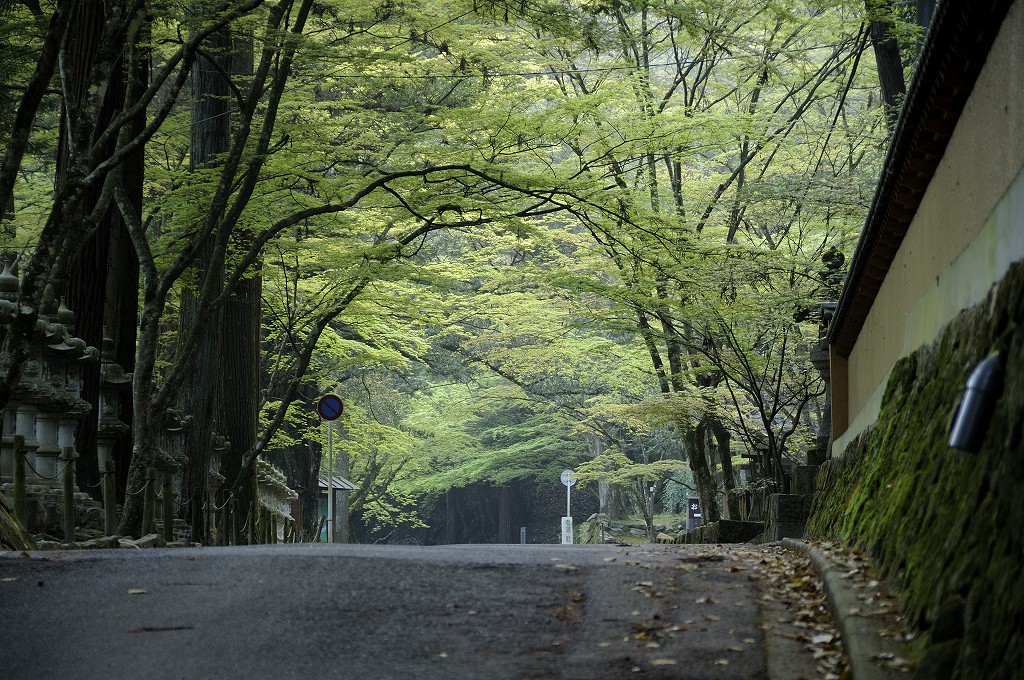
(330, 483)
(568, 503)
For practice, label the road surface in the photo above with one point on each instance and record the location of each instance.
(351, 611)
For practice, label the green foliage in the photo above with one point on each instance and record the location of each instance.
(518, 236)
(617, 468)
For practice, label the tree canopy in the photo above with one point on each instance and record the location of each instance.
(514, 236)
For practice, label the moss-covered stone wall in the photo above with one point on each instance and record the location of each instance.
(946, 527)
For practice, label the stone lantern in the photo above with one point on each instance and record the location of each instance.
(8, 311)
(216, 481)
(113, 382)
(169, 462)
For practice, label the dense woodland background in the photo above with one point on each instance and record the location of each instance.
(515, 237)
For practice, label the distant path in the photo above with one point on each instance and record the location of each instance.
(367, 612)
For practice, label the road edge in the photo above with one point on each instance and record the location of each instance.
(867, 650)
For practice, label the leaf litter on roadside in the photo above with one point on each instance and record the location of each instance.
(789, 580)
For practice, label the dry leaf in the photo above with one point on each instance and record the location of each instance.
(663, 662)
(137, 591)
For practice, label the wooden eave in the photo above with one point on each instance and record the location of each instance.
(958, 43)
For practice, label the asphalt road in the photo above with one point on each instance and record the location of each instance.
(350, 611)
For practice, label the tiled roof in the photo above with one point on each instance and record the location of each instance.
(339, 483)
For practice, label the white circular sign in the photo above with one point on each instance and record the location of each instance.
(568, 477)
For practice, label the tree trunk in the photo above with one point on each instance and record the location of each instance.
(211, 136)
(104, 282)
(721, 436)
(610, 500)
(703, 476)
(239, 395)
(887, 58)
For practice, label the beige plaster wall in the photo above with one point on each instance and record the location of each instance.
(968, 229)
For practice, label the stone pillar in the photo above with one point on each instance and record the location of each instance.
(10, 419)
(25, 426)
(48, 450)
(113, 381)
(104, 454)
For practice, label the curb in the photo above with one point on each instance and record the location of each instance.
(866, 650)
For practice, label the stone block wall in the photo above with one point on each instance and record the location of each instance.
(723, 531)
(944, 525)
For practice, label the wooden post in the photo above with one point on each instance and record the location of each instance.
(20, 505)
(68, 455)
(109, 498)
(149, 502)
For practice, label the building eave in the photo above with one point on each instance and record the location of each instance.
(958, 44)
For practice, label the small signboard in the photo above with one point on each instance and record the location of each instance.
(522, 535)
(693, 515)
(567, 531)
(330, 407)
(568, 477)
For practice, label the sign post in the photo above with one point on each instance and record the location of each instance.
(330, 407)
(568, 478)
(694, 516)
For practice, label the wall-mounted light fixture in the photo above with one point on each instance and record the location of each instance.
(978, 401)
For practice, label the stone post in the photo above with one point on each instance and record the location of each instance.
(149, 501)
(167, 512)
(109, 481)
(20, 500)
(250, 525)
(236, 534)
(69, 456)
(224, 537)
(10, 415)
(26, 428)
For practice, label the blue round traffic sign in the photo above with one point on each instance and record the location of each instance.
(330, 407)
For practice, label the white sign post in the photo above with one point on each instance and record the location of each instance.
(568, 478)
